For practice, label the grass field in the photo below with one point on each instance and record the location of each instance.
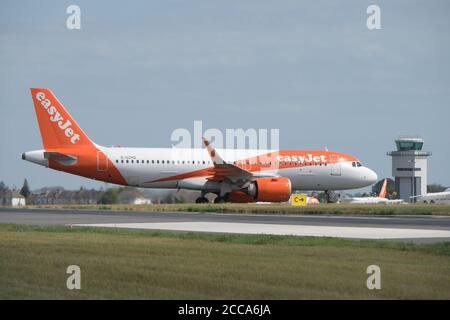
(284, 208)
(150, 264)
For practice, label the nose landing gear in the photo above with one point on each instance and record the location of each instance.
(330, 197)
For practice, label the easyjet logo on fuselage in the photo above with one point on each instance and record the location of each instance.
(55, 116)
(302, 159)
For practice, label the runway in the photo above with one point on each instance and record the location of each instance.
(415, 228)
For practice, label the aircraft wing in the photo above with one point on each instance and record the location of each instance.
(229, 171)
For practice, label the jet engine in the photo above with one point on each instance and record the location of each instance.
(263, 190)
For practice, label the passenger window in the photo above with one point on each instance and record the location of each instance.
(121, 161)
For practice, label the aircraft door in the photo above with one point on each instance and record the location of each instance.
(336, 169)
(102, 162)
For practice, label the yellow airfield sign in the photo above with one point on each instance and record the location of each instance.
(298, 200)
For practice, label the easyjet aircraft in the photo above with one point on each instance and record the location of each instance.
(234, 175)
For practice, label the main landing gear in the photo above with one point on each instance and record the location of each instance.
(202, 200)
(220, 199)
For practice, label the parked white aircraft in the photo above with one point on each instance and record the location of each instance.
(435, 197)
(373, 200)
(312, 200)
(234, 175)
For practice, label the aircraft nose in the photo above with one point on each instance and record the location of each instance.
(370, 176)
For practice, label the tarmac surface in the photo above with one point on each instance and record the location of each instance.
(410, 228)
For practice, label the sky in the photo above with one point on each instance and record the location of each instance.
(136, 71)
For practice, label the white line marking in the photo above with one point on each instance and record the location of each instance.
(282, 229)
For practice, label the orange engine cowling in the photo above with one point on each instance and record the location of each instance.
(273, 189)
(264, 190)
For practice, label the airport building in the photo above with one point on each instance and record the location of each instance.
(409, 167)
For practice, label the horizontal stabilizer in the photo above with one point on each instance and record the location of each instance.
(61, 158)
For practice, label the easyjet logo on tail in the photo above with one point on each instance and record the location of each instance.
(55, 116)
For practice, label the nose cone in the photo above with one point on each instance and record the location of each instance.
(370, 176)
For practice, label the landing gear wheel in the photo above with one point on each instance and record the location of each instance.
(201, 200)
(219, 199)
(327, 196)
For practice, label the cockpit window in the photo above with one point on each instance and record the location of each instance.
(359, 164)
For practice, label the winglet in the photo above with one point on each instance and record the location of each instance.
(216, 159)
(383, 190)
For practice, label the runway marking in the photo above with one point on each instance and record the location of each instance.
(282, 229)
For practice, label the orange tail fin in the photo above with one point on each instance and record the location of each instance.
(383, 191)
(58, 128)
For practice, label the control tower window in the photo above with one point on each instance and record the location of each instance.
(408, 145)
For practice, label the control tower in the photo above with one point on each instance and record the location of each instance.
(409, 167)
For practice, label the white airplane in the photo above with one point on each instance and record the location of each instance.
(373, 200)
(435, 197)
(234, 175)
(312, 200)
